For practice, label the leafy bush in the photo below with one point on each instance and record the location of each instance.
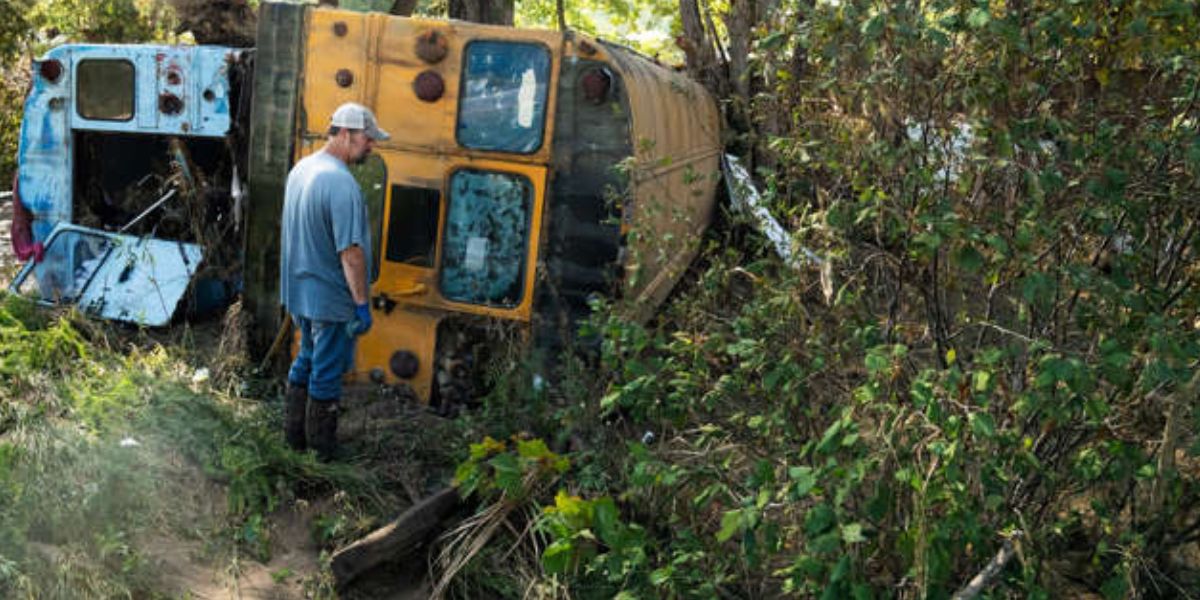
(998, 349)
(29, 28)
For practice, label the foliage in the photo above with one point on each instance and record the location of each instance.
(640, 24)
(29, 28)
(493, 469)
(999, 343)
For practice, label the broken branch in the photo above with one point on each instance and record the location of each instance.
(984, 578)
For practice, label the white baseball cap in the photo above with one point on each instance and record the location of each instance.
(352, 115)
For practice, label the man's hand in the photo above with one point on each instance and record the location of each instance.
(362, 319)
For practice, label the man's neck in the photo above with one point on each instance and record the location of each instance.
(336, 150)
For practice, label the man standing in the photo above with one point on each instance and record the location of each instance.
(325, 247)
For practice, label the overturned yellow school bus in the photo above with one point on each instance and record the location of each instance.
(527, 171)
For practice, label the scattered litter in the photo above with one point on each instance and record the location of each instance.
(745, 198)
(129, 443)
(648, 437)
(200, 376)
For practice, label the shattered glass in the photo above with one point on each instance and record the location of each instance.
(486, 238)
(503, 104)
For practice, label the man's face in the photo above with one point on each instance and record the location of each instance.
(359, 146)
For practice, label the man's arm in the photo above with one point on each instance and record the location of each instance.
(354, 267)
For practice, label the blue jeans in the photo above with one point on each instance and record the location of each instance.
(326, 353)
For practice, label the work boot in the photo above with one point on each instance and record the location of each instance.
(293, 417)
(321, 427)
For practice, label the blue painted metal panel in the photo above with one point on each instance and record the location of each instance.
(112, 276)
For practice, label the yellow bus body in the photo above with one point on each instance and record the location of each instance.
(373, 59)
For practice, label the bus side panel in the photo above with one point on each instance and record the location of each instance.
(676, 138)
(581, 251)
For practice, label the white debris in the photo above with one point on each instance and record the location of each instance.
(745, 198)
(200, 376)
(129, 443)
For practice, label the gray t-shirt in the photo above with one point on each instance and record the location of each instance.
(323, 214)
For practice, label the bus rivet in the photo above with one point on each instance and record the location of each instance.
(344, 78)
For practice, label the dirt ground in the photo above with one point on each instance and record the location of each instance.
(371, 420)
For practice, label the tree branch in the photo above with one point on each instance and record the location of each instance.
(984, 578)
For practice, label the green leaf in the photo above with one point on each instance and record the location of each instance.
(982, 381)
(661, 577)
(556, 559)
(607, 520)
(872, 27)
(804, 480)
(730, 523)
(533, 449)
(819, 519)
(979, 18)
(982, 425)
(508, 473)
(610, 400)
(830, 440)
(877, 362)
(852, 533)
(773, 40)
(969, 259)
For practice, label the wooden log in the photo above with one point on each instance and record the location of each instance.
(396, 539)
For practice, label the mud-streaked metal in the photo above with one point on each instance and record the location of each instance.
(674, 176)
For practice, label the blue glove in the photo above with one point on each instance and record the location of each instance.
(362, 319)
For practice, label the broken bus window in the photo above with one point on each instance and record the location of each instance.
(503, 104)
(412, 225)
(487, 237)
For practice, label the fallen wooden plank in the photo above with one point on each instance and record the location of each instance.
(396, 539)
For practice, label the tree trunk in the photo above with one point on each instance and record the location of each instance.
(495, 12)
(697, 46)
(396, 540)
(221, 22)
(403, 8)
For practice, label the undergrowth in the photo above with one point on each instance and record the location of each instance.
(993, 355)
(103, 446)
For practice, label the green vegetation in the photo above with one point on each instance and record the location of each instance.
(999, 346)
(107, 445)
(997, 349)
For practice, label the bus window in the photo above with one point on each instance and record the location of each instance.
(412, 225)
(371, 176)
(486, 238)
(105, 90)
(503, 103)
